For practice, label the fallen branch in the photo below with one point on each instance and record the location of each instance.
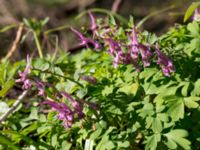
(14, 106)
(115, 6)
(15, 43)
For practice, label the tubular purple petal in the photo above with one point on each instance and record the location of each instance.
(93, 21)
(23, 75)
(146, 55)
(86, 41)
(165, 63)
(134, 36)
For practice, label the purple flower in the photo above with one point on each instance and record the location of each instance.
(112, 46)
(196, 15)
(134, 36)
(165, 63)
(104, 33)
(134, 52)
(93, 21)
(134, 47)
(41, 88)
(64, 112)
(146, 55)
(23, 75)
(86, 41)
(78, 107)
(119, 56)
(116, 51)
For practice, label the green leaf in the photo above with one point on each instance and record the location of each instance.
(112, 20)
(107, 90)
(176, 107)
(156, 125)
(8, 85)
(190, 102)
(184, 90)
(129, 88)
(196, 91)
(171, 144)
(131, 22)
(66, 145)
(149, 121)
(190, 10)
(32, 128)
(96, 134)
(8, 27)
(41, 64)
(6, 141)
(147, 73)
(163, 117)
(54, 140)
(107, 145)
(17, 137)
(151, 143)
(125, 144)
(193, 27)
(147, 110)
(178, 136)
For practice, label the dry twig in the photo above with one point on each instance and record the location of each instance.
(14, 106)
(115, 6)
(16, 41)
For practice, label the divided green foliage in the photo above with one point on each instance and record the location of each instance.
(135, 110)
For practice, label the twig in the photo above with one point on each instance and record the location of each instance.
(115, 6)
(15, 43)
(14, 106)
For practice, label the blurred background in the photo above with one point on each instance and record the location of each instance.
(62, 14)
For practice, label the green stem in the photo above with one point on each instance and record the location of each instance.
(55, 74)
(38, 44)
(57, 29)
(154, 14)
(103, 11)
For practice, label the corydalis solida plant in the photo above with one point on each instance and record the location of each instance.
(135, 53)
(66, 113)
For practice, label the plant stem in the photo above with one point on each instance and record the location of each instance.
(38, 44)
(55, 74)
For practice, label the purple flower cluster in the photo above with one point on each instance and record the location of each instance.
(165, 63)
(23, 75)
(68, 114)
(41, 88)
(123, 53)
(77, 106)
(65, 113)
(86, 41)
(135, 50)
